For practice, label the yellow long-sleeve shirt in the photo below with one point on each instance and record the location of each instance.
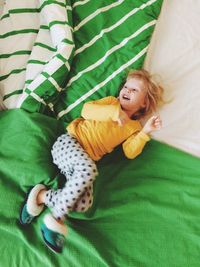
(98, 132)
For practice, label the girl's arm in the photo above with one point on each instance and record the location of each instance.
(101, 110)
(134, 145)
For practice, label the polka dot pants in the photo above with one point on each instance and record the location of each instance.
(80, 171)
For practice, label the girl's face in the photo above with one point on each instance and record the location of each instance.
(132, 96)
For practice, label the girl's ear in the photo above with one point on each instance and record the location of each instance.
(146, 103)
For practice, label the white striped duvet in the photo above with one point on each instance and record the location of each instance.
(40, 68)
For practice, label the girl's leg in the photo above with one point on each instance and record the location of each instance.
(85, 201)
(80, 171)
(82, 205)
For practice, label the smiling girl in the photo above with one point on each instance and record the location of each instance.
(104, 124)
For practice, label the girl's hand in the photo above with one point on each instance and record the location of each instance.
(123, 118)
(153, 124)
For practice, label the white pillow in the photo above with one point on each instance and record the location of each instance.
(174, 54)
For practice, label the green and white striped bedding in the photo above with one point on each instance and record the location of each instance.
(110, 37)
(36, 47)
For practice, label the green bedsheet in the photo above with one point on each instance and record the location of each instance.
(146, 211)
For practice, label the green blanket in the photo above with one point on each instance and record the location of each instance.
(146, 211)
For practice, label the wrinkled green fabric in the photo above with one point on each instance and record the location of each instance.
(146, 211)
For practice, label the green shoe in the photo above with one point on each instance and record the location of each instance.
(53, 233)
(30, 208)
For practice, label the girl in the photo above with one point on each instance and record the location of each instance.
(103, 125)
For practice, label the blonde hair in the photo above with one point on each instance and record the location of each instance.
(154, 97)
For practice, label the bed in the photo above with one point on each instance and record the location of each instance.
(145, 211)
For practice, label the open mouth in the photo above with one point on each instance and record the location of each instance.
(126, 97)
